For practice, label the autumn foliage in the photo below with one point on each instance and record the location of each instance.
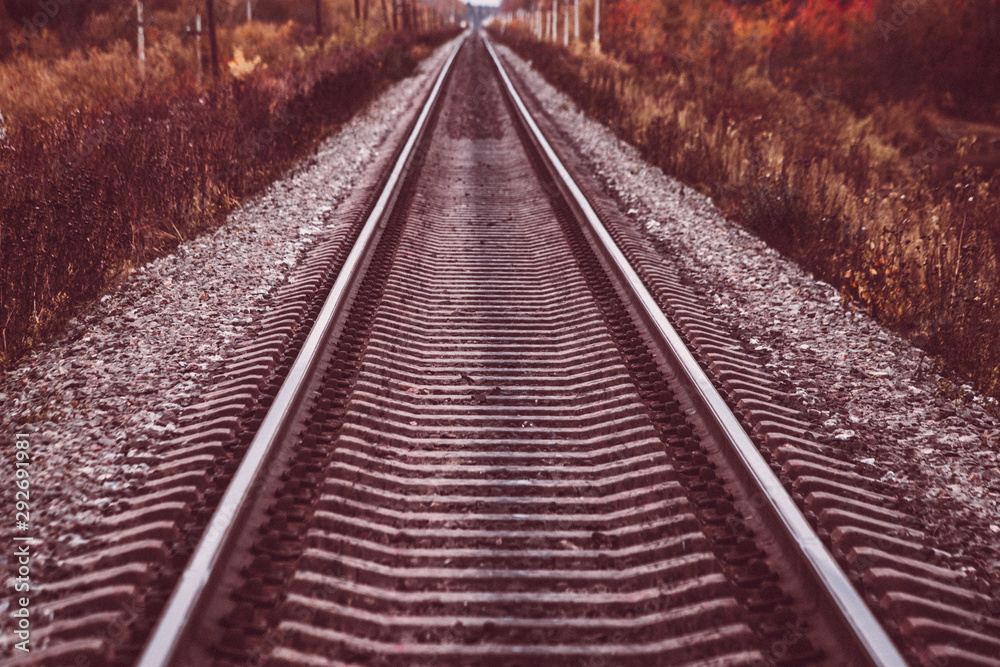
(112, 180)
(858, 138)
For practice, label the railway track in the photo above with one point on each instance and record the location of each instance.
(467, 434)
(492, 448)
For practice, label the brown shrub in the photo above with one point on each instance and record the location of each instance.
(826, 186)
(86, 195)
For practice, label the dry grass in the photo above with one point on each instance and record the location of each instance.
(117, 174)
(36, 88)
(33, 89)
(880, 199)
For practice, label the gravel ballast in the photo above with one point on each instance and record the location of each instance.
(935, 438)
(116, 382)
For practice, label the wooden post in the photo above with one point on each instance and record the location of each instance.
(213, 43)
(141, 40)
(565, 25)
(249, 12)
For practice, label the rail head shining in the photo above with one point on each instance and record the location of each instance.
(871, 639)
(182, 608)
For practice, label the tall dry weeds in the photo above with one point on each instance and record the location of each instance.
(87, 194)
(828, 186)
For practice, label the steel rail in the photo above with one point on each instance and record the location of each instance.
(176, 621)
(870, 641)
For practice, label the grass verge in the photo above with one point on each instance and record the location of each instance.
(821, 183)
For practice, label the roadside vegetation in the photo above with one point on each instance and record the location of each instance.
(859, 138)
(103, 168)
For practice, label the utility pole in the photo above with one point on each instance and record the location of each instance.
(597, 26)
(197, 44)
(213, 43)
(141, 41)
